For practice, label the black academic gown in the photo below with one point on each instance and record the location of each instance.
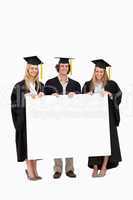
(18, 110)
(54, 86)
(114, 119)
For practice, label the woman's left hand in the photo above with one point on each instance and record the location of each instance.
(107, 93)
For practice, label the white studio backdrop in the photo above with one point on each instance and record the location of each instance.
(85, 30)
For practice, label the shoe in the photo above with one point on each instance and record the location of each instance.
(71, 174)
(39, 177)
(57, 175)
(31, 178)
(102, 172)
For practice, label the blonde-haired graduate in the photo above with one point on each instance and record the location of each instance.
(30, 84)
(100, 83)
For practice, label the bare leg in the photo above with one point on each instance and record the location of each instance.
(30, 168)
(95, 171)
(104, 166)
(35, 169)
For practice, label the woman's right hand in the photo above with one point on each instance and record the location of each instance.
(34, 96)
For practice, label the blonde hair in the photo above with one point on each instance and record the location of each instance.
(93, 80)
(27, 78)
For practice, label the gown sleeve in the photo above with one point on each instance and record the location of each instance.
(86, 87)
(115, 100)
(41, 88)
(14, 105)
(50, 87)
(78, 88)
(18, 105)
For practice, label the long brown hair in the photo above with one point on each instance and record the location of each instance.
(27, 78)
(93, 80)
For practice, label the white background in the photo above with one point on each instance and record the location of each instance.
(82, 29)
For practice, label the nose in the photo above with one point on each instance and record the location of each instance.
(99, 73)
(34, 70)
(64, 67)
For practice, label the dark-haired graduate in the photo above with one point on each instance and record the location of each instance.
(61, 85)
(30, 84)
(101, 83)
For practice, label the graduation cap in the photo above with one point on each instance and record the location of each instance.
(34, 60)
(67, 60)
(103, 64)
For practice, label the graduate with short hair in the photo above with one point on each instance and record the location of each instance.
(63, 85)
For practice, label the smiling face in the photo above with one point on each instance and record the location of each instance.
(63, 69)
(99, 73)
(33, 71)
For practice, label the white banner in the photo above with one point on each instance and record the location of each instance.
(67, 126)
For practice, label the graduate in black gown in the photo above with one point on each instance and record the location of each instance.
(61, 85)
(100, 83)
(30, 84)
(55, 86)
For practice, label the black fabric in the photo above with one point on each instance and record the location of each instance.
(34, 60)
(63, 60)
(114, 120)
(54, 86)
(101, 63)
(18, 111)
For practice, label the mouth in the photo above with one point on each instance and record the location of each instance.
(33, 74)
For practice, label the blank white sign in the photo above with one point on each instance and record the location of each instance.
(67, 127)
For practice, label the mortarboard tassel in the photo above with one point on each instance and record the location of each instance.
(41, 71)
(109, 72)
(71, 63)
